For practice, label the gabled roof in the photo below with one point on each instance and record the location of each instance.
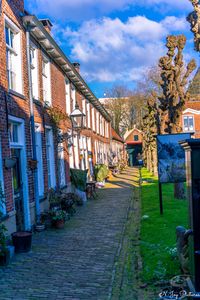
(193, 105)
(116, 136)
(127, 133)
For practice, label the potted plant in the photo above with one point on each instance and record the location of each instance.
(32, 163)
(4, 252)
(9, 162)
(58, 218)
(53, 199)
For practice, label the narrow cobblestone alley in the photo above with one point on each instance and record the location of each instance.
(77, 262)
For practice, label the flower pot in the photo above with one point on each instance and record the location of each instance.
(59, 224)
(10, 162)
(4, 258)
(22, 241)
(40, 227)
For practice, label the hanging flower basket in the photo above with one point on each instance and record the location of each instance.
(32, 163)
(10, 162)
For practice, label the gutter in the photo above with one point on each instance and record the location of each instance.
(32, 124)
(70, 71)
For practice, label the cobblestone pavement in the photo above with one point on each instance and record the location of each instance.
(78, 261)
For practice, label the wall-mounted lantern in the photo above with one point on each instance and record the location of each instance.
(77, 118)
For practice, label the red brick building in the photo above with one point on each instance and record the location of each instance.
(117, 146)
(33, 69)
(133, 142)
(191, 114)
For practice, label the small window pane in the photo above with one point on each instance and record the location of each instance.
(12, 35)
(7, 36)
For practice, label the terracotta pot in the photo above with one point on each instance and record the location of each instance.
(59, 224)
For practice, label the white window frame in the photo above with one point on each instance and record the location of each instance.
(71, 152)
(88, 114)
(50, 157)
(73, 93)
(21, 144)
(34, 70)
(61, 164)
(67, 96)
(46, 79)
(188, 129)
(85, 112)
(97, 123)
(93, 119)
(39, 154)
(13, 57)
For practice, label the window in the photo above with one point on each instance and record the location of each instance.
(188, 123)
(46, 80)
(84, 111)
(13, 56)
(93, 120)
(136, 138)
(88, 115)
(14, 132)
(73, 89)
(97, 123)
(50, 158)
(61, 164)
(34, 70)
(38, 143)
(67, 96)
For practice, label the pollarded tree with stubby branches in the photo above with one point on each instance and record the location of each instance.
(173, 83)
(174, 78)
(150, 128)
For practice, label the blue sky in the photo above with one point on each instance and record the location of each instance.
(115, 41)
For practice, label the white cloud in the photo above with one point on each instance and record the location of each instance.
(175, 24)
(79, 10)
(110, 50)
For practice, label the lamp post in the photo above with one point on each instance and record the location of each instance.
(77, 119)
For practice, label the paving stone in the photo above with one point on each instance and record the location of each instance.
(75, 263)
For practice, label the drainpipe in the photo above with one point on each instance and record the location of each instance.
(32, 124)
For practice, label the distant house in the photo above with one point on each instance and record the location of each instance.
(191, 114)
(133, 140)
(117, 145)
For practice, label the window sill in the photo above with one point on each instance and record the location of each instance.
(14, 93)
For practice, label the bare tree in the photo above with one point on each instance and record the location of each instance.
(174, 95)
(125, 107)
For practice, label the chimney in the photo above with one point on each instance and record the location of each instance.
(47, 24)
(77, 66)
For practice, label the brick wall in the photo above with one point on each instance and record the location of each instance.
(18, 105)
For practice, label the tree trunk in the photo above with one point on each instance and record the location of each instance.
(151, 161)
(155, 163)
(179, 190)
(147, 158)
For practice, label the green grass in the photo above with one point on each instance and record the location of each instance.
(158, 233)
